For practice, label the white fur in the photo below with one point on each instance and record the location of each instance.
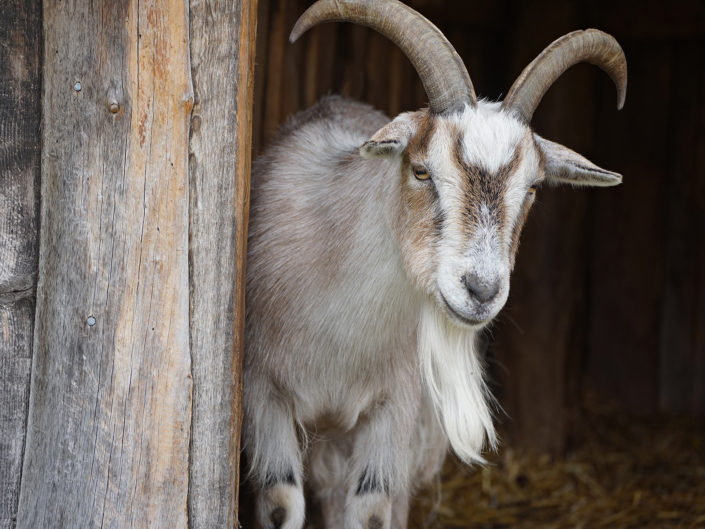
(490, 137)
(287, 497)
(354, 362)
(453, 373)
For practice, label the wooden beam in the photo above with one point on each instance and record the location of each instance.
(110, 406)
(20, 94)
(219, 175)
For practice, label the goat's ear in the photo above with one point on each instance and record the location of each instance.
(563, 166)
(390, 140)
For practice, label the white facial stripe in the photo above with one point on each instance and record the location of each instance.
(486, 239)
(490, 138)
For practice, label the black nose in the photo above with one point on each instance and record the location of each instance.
(481, 289)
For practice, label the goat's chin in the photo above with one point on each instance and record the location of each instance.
(474, 320)
(453, 377)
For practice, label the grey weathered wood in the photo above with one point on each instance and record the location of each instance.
(16, 321)
(109, 419)
(219, 171)
(20, 28)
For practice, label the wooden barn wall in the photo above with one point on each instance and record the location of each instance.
(609, 288)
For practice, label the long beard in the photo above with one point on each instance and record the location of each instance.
(453, 376)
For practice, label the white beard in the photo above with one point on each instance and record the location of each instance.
(453, 376)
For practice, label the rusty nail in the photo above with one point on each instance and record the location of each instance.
(114, 107)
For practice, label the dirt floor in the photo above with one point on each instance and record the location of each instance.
(624, 472)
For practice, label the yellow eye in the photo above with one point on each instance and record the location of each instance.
(421, 173)
(533, 188)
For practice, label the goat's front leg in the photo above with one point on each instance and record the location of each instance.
(380, 466)
(275, 459)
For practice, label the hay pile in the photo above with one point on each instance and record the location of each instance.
(625, 472)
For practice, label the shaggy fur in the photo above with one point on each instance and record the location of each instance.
(366, 288)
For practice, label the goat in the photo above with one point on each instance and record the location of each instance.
(377, 252)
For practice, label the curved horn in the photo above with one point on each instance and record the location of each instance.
(590, 45)
(442, 72)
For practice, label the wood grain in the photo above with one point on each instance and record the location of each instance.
(110, 406)
(219, 172)
(19, 215)
(276, 42)
(628, 241)
(681, 375)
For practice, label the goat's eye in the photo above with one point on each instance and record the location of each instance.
(533, 188)
(421, 173)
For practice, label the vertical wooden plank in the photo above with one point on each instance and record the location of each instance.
(698, 187)
(395, 83)
(278, 37)
(311, 67)
(16, 329)
(219, 172)
(20, 116)
(293, 75)
(628, 238)
(685, 228)
(327, 59)
(261, 62)
(377, 71)
(354, 41)
(698, 371)
(109, 421)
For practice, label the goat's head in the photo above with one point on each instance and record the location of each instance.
(469, 169)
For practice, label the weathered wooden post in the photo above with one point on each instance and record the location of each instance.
(222, 65)
(20, 29)
(134, 406)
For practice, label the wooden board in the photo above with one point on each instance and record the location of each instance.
(19, 215)
(110, 406)
(682, 359)
(219, 169)
(628, 238)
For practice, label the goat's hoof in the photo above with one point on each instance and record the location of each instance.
(277, 516)
(375, 523)
(368, 511)
(281, 506)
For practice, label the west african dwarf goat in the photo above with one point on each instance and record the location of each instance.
(377, 251)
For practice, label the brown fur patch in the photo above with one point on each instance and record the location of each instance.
(418, 144)
(482, 186)
(528, 201)
(518, 225)
(420, 224)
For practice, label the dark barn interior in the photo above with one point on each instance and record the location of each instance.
(605, 325)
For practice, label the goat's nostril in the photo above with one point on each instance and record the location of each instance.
(481, 289)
